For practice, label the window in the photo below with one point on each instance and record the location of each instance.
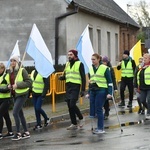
(128, 41)
(116, 47)
(99, 40)
(91, 34)
(108, 45)
(123, 41)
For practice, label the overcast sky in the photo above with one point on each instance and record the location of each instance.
(123, 3)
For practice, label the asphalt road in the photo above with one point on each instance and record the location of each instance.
(135, 136)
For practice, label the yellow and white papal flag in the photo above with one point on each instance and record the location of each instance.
(135, 52)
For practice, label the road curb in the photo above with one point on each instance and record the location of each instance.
(85, 112)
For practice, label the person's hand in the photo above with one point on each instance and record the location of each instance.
(61, 77)
(9, 86)
(109, 96)
(82, 93)
(14, 86)
(119, 64)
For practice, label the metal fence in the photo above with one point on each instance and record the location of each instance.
(58, 87)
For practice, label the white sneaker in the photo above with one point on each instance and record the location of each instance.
(148, 116)
(98, 131)
(72, 127)
(81, 123)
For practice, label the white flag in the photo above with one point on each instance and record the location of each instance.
(38, 50)
(85, 49)
(15, 52)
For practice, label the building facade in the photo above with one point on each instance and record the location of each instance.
(61, 22)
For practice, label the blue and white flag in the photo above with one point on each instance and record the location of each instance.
(38, 50)
(85, 49)
(15, 52)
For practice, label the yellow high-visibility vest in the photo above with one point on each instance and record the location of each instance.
(99, 77)
(20, 79)
(146, 76)
(73, 74)
(4, 86)
(38, 83)
(128, 70)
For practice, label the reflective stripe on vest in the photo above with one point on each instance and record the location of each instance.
(4, 86)
(73, 74)
(38, 83)
(99, 77)
(128, 70)
(19, 78)
(146, 76)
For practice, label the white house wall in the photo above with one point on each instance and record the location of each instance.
(77, 23)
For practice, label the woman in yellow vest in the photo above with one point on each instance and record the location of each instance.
(143, 81)
(19, 86)
(5, 102)
(39, 90)
(100, 88)
(137, 91)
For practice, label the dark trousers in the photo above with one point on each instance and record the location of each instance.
(106, 107)
(4, 113)
(73, 111)
(129, 83)
(37, 102)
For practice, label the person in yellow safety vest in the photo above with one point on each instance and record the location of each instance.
(106, 61)
(100, 88)
(20, 83)
(137, 90)
(143, 81)
(74, 75)
(127, 66)
(40, 87)
(5, 99)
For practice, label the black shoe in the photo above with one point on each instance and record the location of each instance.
(46, 122)
(37, 127)
(25, 135)
(139, 111)
(143, 112)
(105, 117)
(129, 104)
(8, 135)
(122, 104)
(17, 137)
(1, 136)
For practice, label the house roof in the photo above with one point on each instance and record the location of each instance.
(107, 9)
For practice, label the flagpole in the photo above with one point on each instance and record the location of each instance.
(20, 65)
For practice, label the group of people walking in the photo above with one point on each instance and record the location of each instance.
(15, 85)
(102, 85)
(100, 89)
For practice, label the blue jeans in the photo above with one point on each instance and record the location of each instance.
(18, 112)
(145, 99)
(37, 102)
(97, 100)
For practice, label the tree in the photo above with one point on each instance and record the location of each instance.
(140, 12)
